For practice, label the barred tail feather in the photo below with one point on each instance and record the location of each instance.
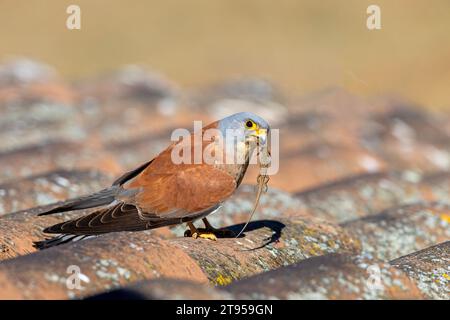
(104, 197)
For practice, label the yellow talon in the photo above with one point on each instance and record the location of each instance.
(206, 235)
(195, 233)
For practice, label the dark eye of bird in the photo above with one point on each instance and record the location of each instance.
(249, 124)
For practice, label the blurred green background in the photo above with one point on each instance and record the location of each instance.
(301, 45)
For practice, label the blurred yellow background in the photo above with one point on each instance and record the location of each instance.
(301, 45)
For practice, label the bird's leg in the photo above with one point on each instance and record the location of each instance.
(218, 232)
(195, 233)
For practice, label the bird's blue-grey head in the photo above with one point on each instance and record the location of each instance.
(252, 126)
(243, 132)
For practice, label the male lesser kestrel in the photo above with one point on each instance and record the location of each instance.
(163, 192)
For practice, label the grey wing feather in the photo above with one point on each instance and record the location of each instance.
(103, 197)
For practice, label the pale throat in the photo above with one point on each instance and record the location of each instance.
(236, 155)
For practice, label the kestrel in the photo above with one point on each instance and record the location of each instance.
(164, 192)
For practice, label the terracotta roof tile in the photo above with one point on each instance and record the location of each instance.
(47, 188)
(429, 268)
(401, 230)
(54, 155)
(368, 194)
(421, 275)
(116, 259)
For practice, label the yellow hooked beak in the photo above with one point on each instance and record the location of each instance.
(261, 134)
